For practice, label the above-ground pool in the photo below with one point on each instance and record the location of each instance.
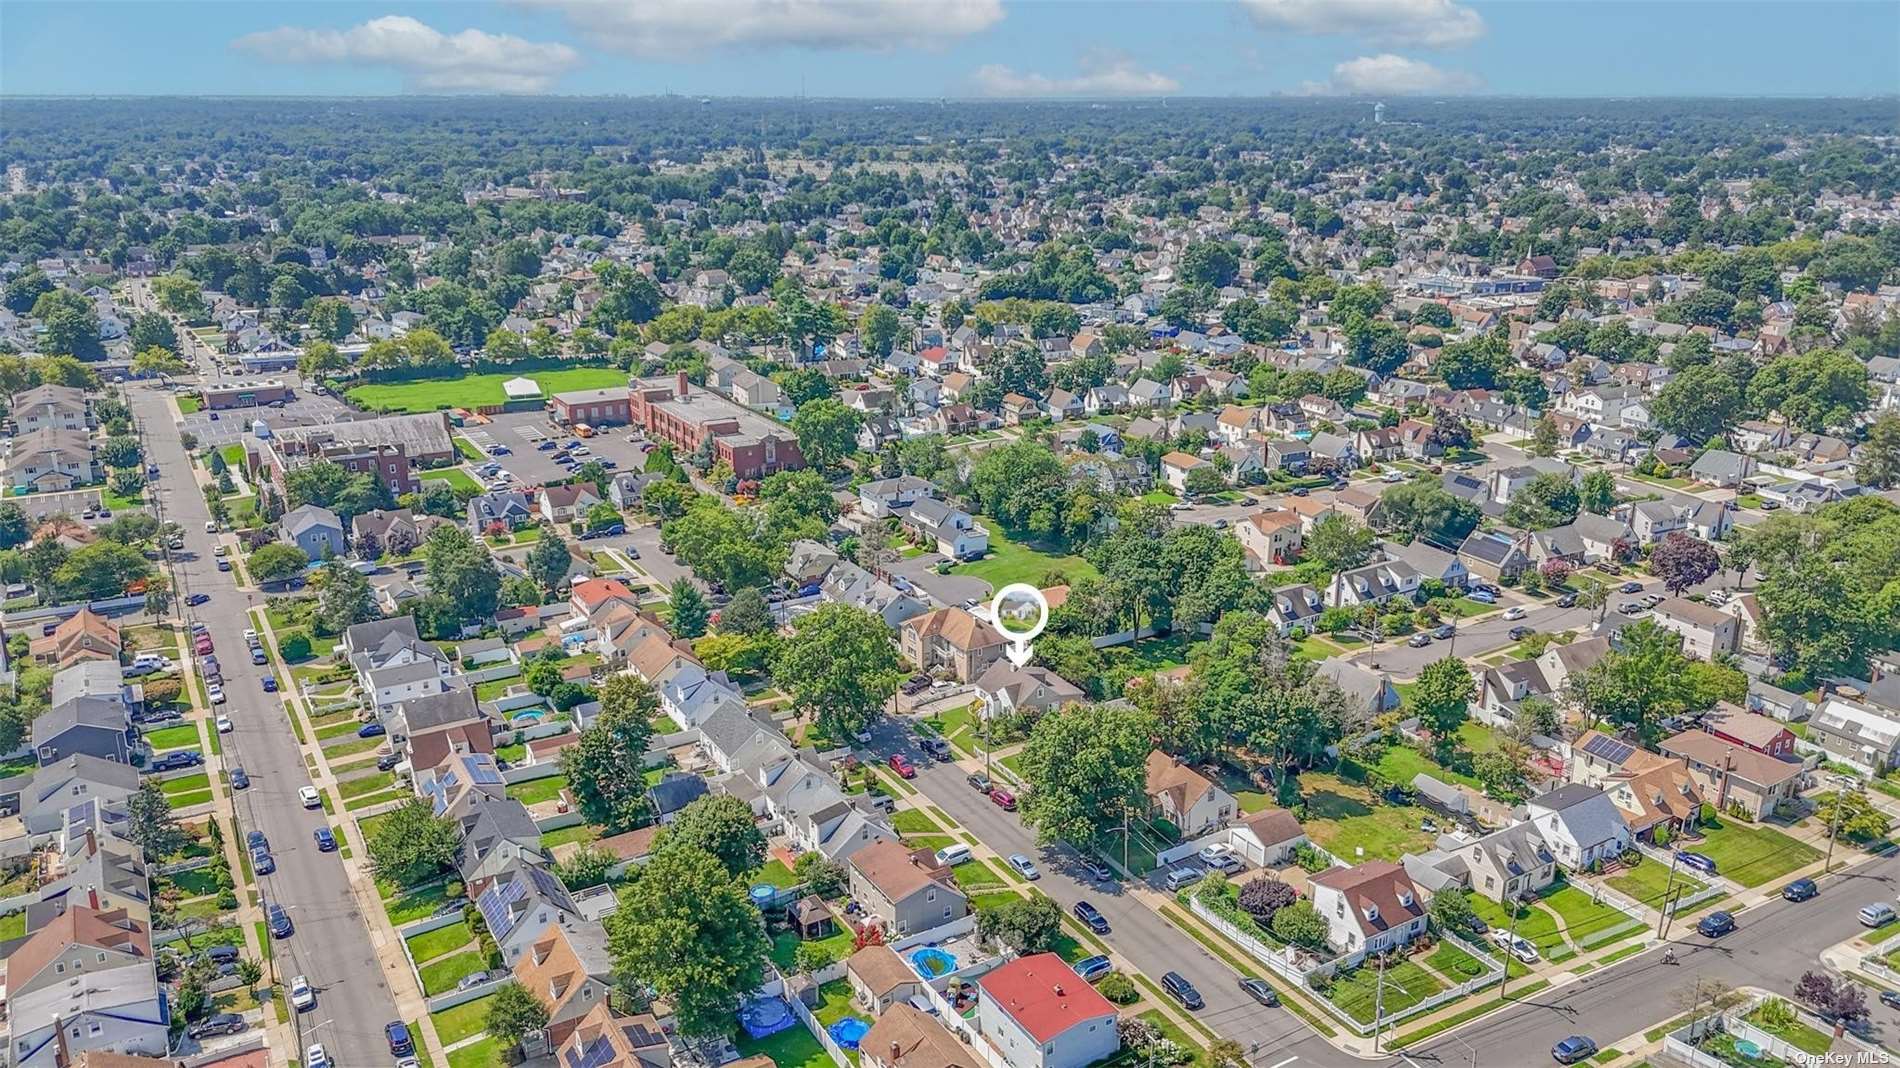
(520, 718)
(765, 1016)
(848, 1032)
(930, 962)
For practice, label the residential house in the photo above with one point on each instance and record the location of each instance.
(1706, 631)
(884, 498)
(1581, 825)
(847, 583)
(315, 530)
(1509, 864)
(1007, 689)
(1734, 775)
(1039, 1014)
(1373, 690)
(1378, 444)
(1270, 537)
(51, 407)
(1339, 450)
(837, 830)
(1375, 583)
(953, 531)
(568, 503)
(880, 979)
(1756, 436)
(84, 635)
(51, 460)
(1291, 455)
(82, 726)
(1368, 908)
(55, 1018)
(953, 640)
(675, 790)
(1494, 555)
(569, 971)
(499, 837)
(1432, 563)
(1184, 797)
(1722, 469)
(1856, 732)
(394, 530)
(1652, 521)
(501, 510)
(1657, 795)
(1176, 466)
(905, 890)
(1763, 734)
(519, 906)
(601, 1039)
(1268, 838)
(1296, 609)
(903, 1037)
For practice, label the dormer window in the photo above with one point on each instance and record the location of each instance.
(1405, 899)
(1372, 914)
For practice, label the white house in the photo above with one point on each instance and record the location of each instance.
(955, 532)
(1039, 1014)
(1580, 824)
(1368, 908)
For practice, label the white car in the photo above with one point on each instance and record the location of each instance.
(1517, 947)
(216, 694)
(1394, 476)
(316, 1057)
(1514, 612)
(1220, 858)
(1024, 866)
(302, 998)
(225, 726)
(309, 796)
(250, 636)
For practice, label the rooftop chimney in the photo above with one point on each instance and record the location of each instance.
(896, 1052)
(682, 385)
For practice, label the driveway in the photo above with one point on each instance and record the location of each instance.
(331, 944)
(951, 589)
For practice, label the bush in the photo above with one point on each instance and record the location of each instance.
(1119, 989)
(295, 646)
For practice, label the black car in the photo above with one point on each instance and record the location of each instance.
(256, 840)
(387, 761)
(1445, 631)
(220, 954)
(1630, 587)
(222, 1023)
(1183, 991)
(981, 782)
(1258, 990)
(239, 780)
(1092, 916)
(189, 758)
(1800, 890)
(935, 746)
(279, 920)
(1568, 600)
(399, 1042)
(263, 862)
(1890, 999)
(1518, 634)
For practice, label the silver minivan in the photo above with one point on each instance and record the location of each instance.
(952, 855)
(1877, 914)
(1178, 878)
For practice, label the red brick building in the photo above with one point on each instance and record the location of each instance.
(595, 407)
(685, 415)
(391, 447)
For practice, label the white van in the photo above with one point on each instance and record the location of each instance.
(1878, 914)
(952, 855)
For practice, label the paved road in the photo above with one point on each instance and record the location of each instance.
(1139, 934)
(331, 944)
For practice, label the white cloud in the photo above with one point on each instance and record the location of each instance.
(471, 61)
(671, 28)
(1389, 75)
(1395, 23)
(1101, 74)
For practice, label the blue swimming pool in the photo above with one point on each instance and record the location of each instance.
(931, 962)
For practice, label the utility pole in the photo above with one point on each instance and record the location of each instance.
(1510, 945)
(1378, 1006)
(1834, 824)
(1662, 914)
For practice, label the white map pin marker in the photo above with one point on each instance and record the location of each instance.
(1020, 649)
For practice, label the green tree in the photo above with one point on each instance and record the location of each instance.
(276, 562)
(549, 560)
(149, 330)
(606, 766)
(747, 613)
(1821, 616)
(878, 328)
(344, 598)
(1850, 814)
(1451, 910)
(1338, 543)
(1423, 508)
(1544, 438)
(688, 608)
(1698, 404)
(722, 826)
(827, 431)
(158, 360)
(1548, 500)
(625, 693)
(1086, 768)
(150, 825)
(1442, 699)
(820, 874)
(462, 572)
(102, 569)
(412, 845)
(1639, 684)
(1025, 924)
(1880, 453)
(514, 1013)
(839, 667)
(591, 865)
(1819, 390)
(1596, 493)
(687, 931)
(1209, 263)
(1301, 924)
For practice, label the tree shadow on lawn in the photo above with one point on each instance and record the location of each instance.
(1328, 805)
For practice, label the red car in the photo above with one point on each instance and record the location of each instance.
(1004, 799)
(902, 766)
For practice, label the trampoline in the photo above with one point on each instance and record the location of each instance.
(931, 962)
(765, 1016)
(848, 1032)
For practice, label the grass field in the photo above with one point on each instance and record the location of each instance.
(1751, 854)
(1649, 881)
(1406, 984)
(1010, 561)
(1534, 925)
(535, 791)
(432, 944)
(457, 479)
(407, 908)
(1588, 923)
(580, 832)
(173, 737)
(483, 1054)
(442, 976)
(1342, 817)
(462, 1021)
(474, 391)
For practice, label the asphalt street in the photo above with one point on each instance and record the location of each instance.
(331, 945)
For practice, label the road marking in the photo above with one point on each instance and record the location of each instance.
(1409, 1060)
(1286, 1062)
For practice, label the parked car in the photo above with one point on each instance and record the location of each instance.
(326, 841)
(309, 797)
(224, 565)
(1258, 990)
(220, 954)
(980, 782)
(1568, 600)
(189, 758)
(1093, 969)
(371, 730)
(302, 998)
(388, 761)
(1024, 867)
(1482, 597)
(314, 1055)
(224, 725)
(397, 1033)
(1220, 858)
(256, 840)
(1630, 587)
(935, 746)
(280, 927)
(1419, 640)
(1177, 878)
(1800, 890)
(1878, 914)
(219, 1023)
(1003, 799)
(1514, 612)
(1716, 924)
(1091, 916)
(1698, 861)
(1517, 947)
(270, 684)
(239, 780)
(1444, 631)
(1098, 871)
(1183, 991)
(1573, 1049)
(471, 981)
(1890, 999)
(215, 692)
(263, 862)
(197, 599)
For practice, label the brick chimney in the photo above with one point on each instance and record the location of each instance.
(682, 385)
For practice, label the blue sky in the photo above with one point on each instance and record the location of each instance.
(956, 48)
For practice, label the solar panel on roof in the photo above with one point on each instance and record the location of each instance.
(598, 1052)
(640, 1035)
(481, 773)
(494, 904)
(1609, 749)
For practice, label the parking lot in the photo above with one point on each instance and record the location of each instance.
(231, 424)
(74, 503)
(522, 433)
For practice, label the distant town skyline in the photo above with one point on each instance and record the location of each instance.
(1001, 49)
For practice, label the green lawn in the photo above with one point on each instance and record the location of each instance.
(462, 1021)
(536, 791)
(775, 873)
(474, 391)
(1401, 764)
(412, 906)
(1342, 817)
(186, 800)
(1590, 924)
(233, 455)
(1150, 655)
(1250, 796)
(457, 479)
(368, 784)
(976, 875)
(493, 688)
(172, 737)
(13, 924)
(1449, 960)
(1751, 854)
(185, 784)
(1800, 1035)
(1648, 882)
(960, 727)
(433, 944)
(785, 947)
(580, 832)
(1534, 925)
(483, 1054)
(188, 404)
(468, 450)
(442, 976)
(1010, 561)
(1406, 984)
(793, 1047)
(908, 821)
(194, 883)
